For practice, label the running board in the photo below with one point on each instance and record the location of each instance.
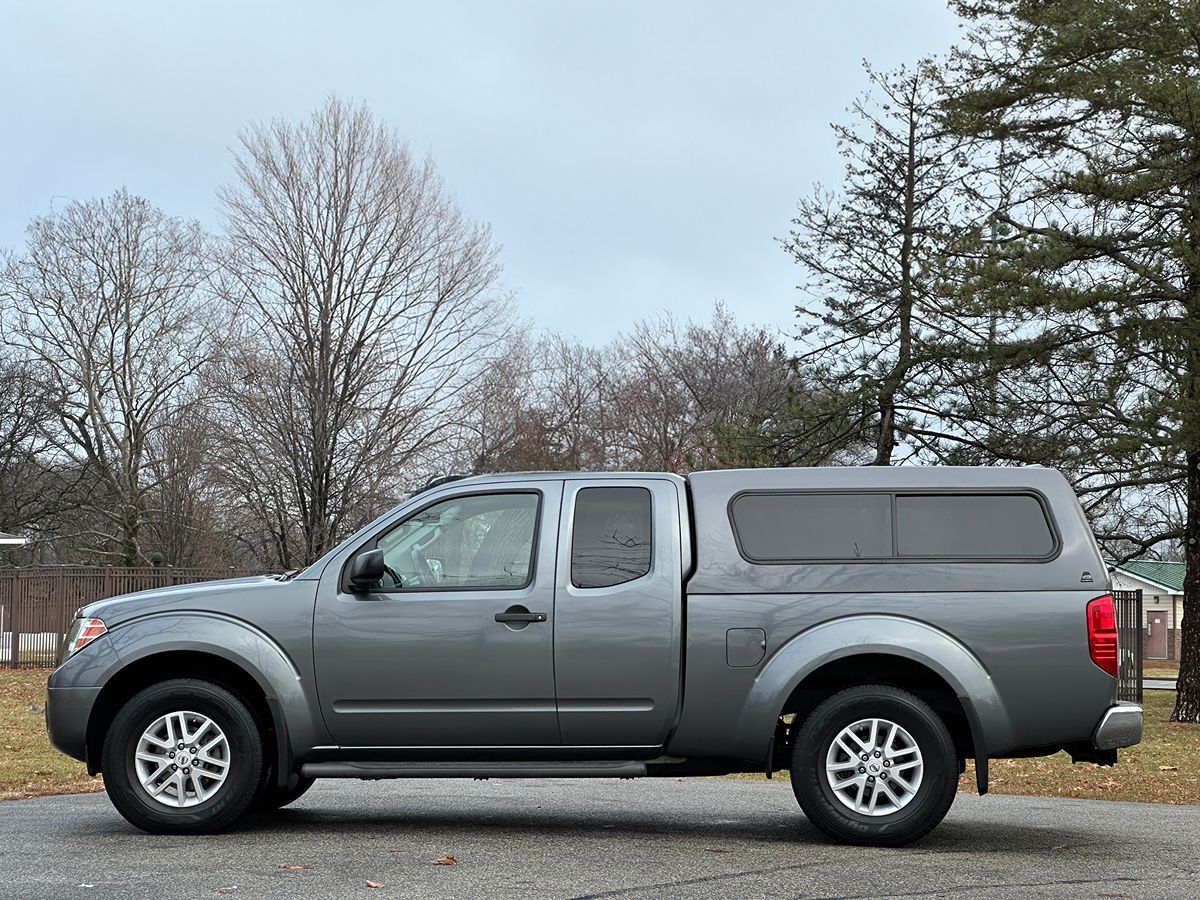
(372, 770)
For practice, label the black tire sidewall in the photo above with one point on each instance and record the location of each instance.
(938, 784)
(234, 718)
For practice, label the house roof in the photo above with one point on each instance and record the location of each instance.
(1167, 574)
(10, 540)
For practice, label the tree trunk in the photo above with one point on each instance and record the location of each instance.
(899, 375)
(1187, 703)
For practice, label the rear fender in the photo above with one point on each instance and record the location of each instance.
(852, 636)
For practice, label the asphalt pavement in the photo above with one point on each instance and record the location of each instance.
(649, 838)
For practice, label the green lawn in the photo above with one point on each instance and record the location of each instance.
(29, 766)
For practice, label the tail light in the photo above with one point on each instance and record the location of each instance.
(82, 633)
(1102, 634)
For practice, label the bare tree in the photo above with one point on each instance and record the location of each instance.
(185, 503)
(368, 298)
(108, 304)
(669, 395)
(29, 492)
(700, 395)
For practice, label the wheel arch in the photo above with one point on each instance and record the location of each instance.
(882, 649)
(218, 649)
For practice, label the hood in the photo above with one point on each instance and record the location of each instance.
(225, 595)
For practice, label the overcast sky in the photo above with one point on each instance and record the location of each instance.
(630, 157)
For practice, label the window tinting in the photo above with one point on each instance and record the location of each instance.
(972, 525)
(611, 539)
(482, 541)
(779, 527)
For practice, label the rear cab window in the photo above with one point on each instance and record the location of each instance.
(611, 538)
(781, 527)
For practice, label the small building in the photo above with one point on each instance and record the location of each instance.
(1161, 584)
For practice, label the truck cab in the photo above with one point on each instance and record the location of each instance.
(496, 617)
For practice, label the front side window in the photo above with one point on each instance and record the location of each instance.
(475, 542)
(611, 540)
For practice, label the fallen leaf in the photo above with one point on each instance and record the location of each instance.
(372, 884)
(715, 850)
(446, 861)
(1168, 768)
(293, 868)
(1059, 847)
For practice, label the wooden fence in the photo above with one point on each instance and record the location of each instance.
(38, 603)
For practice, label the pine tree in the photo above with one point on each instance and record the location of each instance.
(1097, 280)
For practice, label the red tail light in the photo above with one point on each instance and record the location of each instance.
(1102, 634)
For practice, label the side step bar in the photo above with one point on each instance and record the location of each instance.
(372, 770)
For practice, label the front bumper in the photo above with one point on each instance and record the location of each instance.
(68, 710)
(1120, 726)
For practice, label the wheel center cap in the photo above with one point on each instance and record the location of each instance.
(873, 767)
(182, 760)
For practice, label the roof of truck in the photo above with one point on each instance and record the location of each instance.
(822, 476)
(547, 475)
(881, 477)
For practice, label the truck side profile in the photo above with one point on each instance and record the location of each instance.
(867, 630)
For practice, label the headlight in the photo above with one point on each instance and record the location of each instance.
(81, 633)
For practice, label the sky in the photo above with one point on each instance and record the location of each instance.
(631, 158)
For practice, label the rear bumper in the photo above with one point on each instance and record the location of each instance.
(1120, 726)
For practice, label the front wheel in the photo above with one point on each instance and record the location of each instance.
(874, 765)
(183, 757)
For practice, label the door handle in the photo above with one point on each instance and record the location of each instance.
(520, 615)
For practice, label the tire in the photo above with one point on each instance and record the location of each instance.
(222, 779)
(274, 797)
(924, 782)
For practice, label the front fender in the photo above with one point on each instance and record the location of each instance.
(838, 639)
(296, 719)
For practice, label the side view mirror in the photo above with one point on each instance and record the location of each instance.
(366, 569)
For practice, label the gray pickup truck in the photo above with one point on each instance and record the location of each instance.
(866, 630)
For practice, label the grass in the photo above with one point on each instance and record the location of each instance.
(29, 766)
(1164, 768)
(1160, 668)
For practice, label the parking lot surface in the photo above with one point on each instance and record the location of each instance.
(620, 839)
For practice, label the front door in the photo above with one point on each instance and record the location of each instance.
(1156, 634)
(454, 646)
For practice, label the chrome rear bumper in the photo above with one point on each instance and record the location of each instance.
(1120, 726)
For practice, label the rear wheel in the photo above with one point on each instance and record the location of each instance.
(874, 765)
(183, 757)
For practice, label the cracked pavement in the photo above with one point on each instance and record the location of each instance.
(648, 838)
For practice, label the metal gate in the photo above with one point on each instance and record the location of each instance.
(1130, 643)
